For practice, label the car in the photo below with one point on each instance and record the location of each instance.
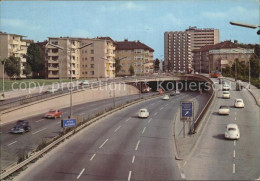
(226, 95)
(225, 87)
(53, 113)
(51, 90)
(223, 110)
(232, 132)
(21, 126)
(239, 103)
(173, 93)
(84, 82)
(177, 92)
(165, 97)
(143, 113)
(196, 72)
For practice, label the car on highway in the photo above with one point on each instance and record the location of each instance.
(21, 126)
(226, 87)
(51, 90)
(232, 132)
(226, 95)
(239, 103)
(177, 92)
(165, 97)
(84, 82)
(53, 113)
(173, 93)
(143, 113)
(223, 110)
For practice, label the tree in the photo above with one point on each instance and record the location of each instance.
(118, 65)
(35, 59)
(13, 66)
(156, 65)
(27, 69)
(131, 70)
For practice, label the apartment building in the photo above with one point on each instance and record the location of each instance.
(13, 45)
(81, 57)
(178, 46)
(137, 54)
(221, 55)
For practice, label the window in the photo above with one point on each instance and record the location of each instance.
(92, 58)
(92, 51)
(86, 51)
(86, 73)
(92, 72)
(86, 58)
(92, 65)
(82, 72)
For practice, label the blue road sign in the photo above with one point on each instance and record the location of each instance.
(69, 123)
(186, 109)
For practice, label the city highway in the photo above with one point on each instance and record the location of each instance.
(12, 146)
(118, 147)
(216, 158)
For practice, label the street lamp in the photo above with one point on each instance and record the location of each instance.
(114, 103)
(70, 49)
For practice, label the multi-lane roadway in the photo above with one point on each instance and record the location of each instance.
(216, 158)
(118, 147)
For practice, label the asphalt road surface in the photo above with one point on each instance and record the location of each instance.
(120, 146)
(216, 158)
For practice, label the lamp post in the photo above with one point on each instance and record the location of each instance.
(114, 103)
(3, 94)
(70, 49)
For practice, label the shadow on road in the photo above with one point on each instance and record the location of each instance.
(219, 136)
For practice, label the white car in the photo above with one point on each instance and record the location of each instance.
(226, 95)
(84, 82)
(226, 87)
(143, 113)
(223, 110)
(165, 97)
(232, 132)
(177, 92)
(239, 103)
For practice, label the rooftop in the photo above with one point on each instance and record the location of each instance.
(131, 45)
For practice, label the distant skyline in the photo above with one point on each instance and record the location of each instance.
(133, 20)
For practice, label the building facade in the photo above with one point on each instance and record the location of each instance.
(96, 60)
(179, 45)
(136, 54)
(215, 57)
(13, 45)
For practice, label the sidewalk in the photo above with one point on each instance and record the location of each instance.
(184, 144)
(253, 90)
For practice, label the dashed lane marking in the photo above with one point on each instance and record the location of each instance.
(150, 120)
(234, 154)
(234, 142)
(183, 176)
(12, 143)
(81, 173)
(133, 160)
(39, 120)
(127, 119)
(161, 108)
(155, 113)
(136, 148)
(234, 168)
(117, 129)
(103, 143)
(143, 130)
(39, 131)
(129, 175)
(92, 157)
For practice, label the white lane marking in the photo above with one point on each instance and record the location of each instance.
(155, 113)
(11, 143)
(143, 130)
(39, 131)
(234, 168)
(81, 173)
(64, 112)
(234, 142)
(137, 145)
(234, 154)
(103, 143)
(129, 175)
(128, 119)
(133, 160)
(183, 176)
(117, 129)
(150, 120)
(161, 108)
(58, 122)
(39, 120)
(92, 157)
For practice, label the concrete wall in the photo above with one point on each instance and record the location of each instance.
(80, 97)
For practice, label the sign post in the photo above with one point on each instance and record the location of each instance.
(186, 113)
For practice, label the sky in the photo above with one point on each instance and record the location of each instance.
(133, 20)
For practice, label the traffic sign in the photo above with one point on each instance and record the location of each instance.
(186, 109)
(68, 123)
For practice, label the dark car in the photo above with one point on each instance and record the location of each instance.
(21, 126)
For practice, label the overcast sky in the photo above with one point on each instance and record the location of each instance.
(135, 20)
